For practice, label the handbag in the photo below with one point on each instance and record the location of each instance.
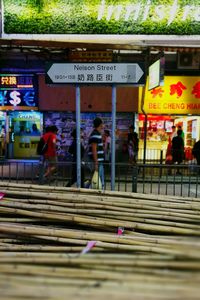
(96, 181)
(42, 146)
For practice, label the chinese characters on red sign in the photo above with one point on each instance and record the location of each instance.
(157, 92)
(196, 90)
(178, 90)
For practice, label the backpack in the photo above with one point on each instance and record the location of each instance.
(42, 146)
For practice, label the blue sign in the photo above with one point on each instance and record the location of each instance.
(18, 90)
(18, 98)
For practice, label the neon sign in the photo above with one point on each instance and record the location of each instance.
(18, 91)
(17, 98)
(16, 81)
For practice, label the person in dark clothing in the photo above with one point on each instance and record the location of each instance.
(136, 147)
(196, 154)
(73, 152)
(178, 149)
(107, 145)
(133, 145)
(96, 151)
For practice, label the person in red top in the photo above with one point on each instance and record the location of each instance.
(50, 155)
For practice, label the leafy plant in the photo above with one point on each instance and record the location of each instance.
(81, 17)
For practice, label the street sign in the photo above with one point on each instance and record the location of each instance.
(95, 73)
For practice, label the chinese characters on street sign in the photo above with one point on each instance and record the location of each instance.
(95, 73)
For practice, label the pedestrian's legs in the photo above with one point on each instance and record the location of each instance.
(42, 166)
(73, 178)
(198, 164)
(51, 166)
(74, 173)
(101, 175)
(134, 157)
(130, 153)
(82, 176)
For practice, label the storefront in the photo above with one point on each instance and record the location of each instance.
(176, 103)
(58, 106)
(126, 25)
(26, 128)
(2, 135)
(65, 121)
(20, 124)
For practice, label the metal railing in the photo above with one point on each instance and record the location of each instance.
(176, 180)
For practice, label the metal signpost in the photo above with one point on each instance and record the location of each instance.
(0, 18)
(114, 97)
(95, 73)
(78, 135)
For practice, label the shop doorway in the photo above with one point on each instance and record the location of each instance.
(3, 133)
(25, 129)
(159, 134)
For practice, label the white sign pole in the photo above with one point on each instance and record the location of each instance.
(113, 137)
(78, 142)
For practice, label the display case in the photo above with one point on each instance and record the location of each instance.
(26, 129)
(188, 141)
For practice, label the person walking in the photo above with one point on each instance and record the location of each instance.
(178, 149)
(136, 147)
(107, 145)
(133, 145)
(196, 154)
(182, 134)
(50, 156)
(96, 151)
(169, 159)
(173, 133)
(73, 151)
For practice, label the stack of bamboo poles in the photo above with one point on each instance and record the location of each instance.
(44, 233)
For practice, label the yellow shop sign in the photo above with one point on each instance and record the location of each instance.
(179, 95)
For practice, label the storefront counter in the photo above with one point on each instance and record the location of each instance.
(154, 150)
(25, 146)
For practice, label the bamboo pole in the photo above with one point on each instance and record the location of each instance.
(46, 230)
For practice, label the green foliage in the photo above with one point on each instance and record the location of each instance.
(80, 17)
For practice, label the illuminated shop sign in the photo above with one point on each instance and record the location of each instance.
(180, 17)
(25, 116)
(130, 11)
(18, 92)
(179, 95)
(16, 81)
